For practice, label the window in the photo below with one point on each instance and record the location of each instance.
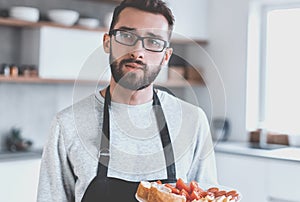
(273, 86)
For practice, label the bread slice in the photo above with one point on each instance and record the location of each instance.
(160, 193)
(143, 189)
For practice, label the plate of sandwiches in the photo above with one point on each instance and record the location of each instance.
(185, 192)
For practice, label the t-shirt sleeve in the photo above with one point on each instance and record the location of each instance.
(56, 180)
(203, 168)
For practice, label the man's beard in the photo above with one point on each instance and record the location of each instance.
(133, 80)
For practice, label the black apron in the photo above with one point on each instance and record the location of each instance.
(103, 188)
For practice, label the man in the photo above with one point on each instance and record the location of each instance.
(103, 146)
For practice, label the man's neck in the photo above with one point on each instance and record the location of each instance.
(131, 97)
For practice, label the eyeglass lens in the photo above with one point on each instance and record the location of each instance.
(130, 39)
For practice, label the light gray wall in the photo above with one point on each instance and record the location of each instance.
(227, 31)
(9, 40)
(31, 107)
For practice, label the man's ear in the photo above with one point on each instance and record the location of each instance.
(167, 56)
(106, 43)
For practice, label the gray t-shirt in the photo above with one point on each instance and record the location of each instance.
(70, 157)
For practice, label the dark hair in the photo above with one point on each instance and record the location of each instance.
(152, 6)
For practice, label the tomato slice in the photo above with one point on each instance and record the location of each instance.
(195, 195)
(213, 189)
(169, 186)
(203, 194)
(173, 189)
(220, 193)
(183, 192)
(158, 182)
(180, 184)
(194, 186)
(231, 193)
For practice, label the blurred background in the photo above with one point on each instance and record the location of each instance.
(236, 59)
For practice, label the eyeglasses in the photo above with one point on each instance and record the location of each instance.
(129, 39)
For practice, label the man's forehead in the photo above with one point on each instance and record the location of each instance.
(146, 31)
(142, 20)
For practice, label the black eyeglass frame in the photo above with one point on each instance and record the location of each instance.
(114, 32)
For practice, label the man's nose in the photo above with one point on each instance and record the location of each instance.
(138, 50)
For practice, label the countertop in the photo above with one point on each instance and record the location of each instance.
(6, 155)
(279, 152)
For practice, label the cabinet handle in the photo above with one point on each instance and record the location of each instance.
(275, 199)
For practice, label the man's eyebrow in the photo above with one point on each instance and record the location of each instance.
(134, 29)
(127, 28)
(154, 35)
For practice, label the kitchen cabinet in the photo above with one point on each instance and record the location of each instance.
(283, 181)
(261, 179)
(19, 180)
(62, 53)
(244, 173)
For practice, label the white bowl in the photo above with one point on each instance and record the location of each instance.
(24, 13)
(88, 22)
(63, 16)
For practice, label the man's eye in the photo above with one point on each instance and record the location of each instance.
(154, 42)
(126, 36)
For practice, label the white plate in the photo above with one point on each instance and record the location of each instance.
(204, 187)
(139, 199)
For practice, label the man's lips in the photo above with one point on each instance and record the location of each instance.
(133, 65)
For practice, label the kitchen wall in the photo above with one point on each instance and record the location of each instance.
(227, 31)
(9, 40)
(227, 47)
(31, 107)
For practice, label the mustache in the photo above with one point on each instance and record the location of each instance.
(130, 60)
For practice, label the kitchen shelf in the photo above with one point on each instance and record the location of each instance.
(37, 80)
(108, 1)
(189, 41)
(21, 23)
(179, 83)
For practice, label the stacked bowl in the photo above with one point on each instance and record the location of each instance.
(89, 22)
(63, 16)
(24, 13)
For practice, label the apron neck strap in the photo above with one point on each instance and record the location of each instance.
(164, 136)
